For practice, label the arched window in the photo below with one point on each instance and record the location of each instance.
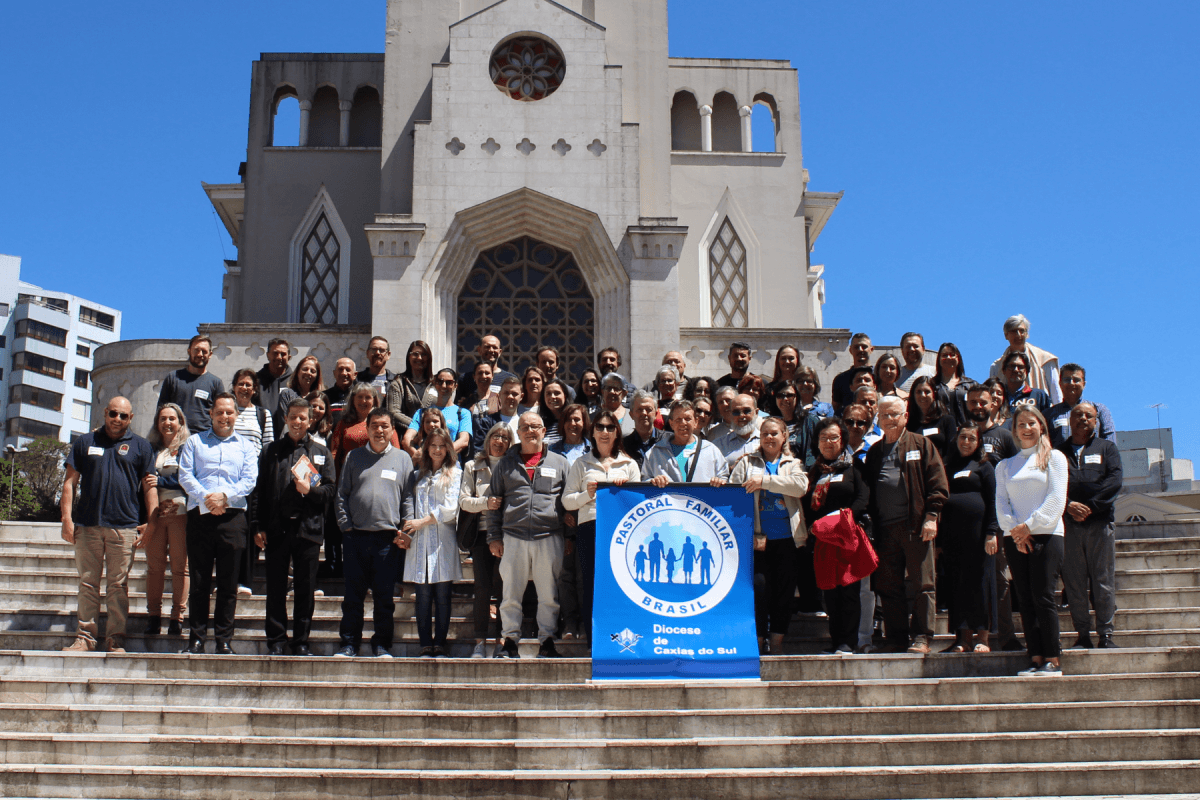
(366, 119)
(726, 124)
(765, 124)
(320, 258)
(285, 119)
(324, 121)
(685, 122)
(727, 279)
(530, 295)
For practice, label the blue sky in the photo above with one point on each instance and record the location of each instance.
(1028, 157)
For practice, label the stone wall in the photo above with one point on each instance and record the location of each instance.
(135, 368)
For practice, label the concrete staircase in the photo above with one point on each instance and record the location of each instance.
(1118, 723)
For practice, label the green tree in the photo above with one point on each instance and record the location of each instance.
(24, 503)
(43, 469)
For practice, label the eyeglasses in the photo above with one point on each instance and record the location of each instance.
(743, 412)
(831, 439)
(857, 423)
(531, 427)
(377, 350)
(121, 415)
(604, 428)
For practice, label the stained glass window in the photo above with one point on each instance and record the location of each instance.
(727, 279)
(319, 275)
(530, 295)
(527, 68)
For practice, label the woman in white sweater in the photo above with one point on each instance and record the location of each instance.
(606, 463)
(1031, 495)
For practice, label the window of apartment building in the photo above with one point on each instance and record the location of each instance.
(82, 411)
(81, 378)
(83, 350)
(4, 310)
(38, 363)
(30, 428)
(33, 329)
(98, 318)
(32, 395)
(3, 340)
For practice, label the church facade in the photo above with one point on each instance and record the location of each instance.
(540, 170)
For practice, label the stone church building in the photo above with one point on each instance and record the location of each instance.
(540, 170)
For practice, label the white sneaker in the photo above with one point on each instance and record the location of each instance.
(245, 590)
(318, 593)
(1030, 672)
(480, 650)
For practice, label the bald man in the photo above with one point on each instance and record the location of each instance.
(108, 466)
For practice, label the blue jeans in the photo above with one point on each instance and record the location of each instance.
(371, 562)
(429, 594)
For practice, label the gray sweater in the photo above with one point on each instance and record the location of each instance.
(528, 509)
(375, 490)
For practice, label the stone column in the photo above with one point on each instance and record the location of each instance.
(344, 106)
(396, 295)
(654, 246)
(706, 128)
(305, 108)
(747, 129)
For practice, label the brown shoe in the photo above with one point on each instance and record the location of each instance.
(920, 645)
(115, 644)
(80, 645)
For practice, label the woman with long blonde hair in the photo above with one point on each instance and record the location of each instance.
(1031, 495)
(166, 535)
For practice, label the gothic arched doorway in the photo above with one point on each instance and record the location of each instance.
(530, 295)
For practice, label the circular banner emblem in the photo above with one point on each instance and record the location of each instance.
(674, 556)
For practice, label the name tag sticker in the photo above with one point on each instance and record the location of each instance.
(912, 455)
(548, 472)
(929, 431)
(1092, 459)
(836, 478)
(1063, 422)
(95, 451)
(988, 448)
(201, 394)
(388, 474)
(966, 473)
(319, 460)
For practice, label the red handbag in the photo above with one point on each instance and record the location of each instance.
(842, 553)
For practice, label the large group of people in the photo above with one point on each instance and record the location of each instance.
(971, 496)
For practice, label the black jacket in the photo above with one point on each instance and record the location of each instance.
(1093, 477)
(277, 503)
(846, 489)
(270, 391)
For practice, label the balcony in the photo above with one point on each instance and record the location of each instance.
(52, 303)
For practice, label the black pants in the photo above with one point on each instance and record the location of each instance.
(487, 586)
(1035, 575)
(774, 586)
(429, 596)
(805, 581)
(962, 557)
(333, 540)
(214, 541)
(284, 548)
(844, 607)
(372, 562)
(585, 562)
(906, 569)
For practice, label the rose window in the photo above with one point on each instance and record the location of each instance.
(527, 68)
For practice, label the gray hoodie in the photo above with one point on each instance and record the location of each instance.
(528, 509)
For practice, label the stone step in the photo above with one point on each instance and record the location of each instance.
(834, 783)
(541, 723)
(353, 696)
(152, 667)
(721, 752)
(1128, 579)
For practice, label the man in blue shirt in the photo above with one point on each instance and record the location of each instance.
(1016, 374)
(218, 469)
(1072, 378)
(107, 465)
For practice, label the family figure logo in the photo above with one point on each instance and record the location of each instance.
(674, 556)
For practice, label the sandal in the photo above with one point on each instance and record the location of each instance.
(980, 647)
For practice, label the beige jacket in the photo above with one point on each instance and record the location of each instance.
(587, 468)
(791, 482)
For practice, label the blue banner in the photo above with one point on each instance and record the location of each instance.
(674, 583)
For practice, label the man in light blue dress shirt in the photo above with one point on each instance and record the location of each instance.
(218, 469)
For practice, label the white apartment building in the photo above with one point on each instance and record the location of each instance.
(46, 351)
